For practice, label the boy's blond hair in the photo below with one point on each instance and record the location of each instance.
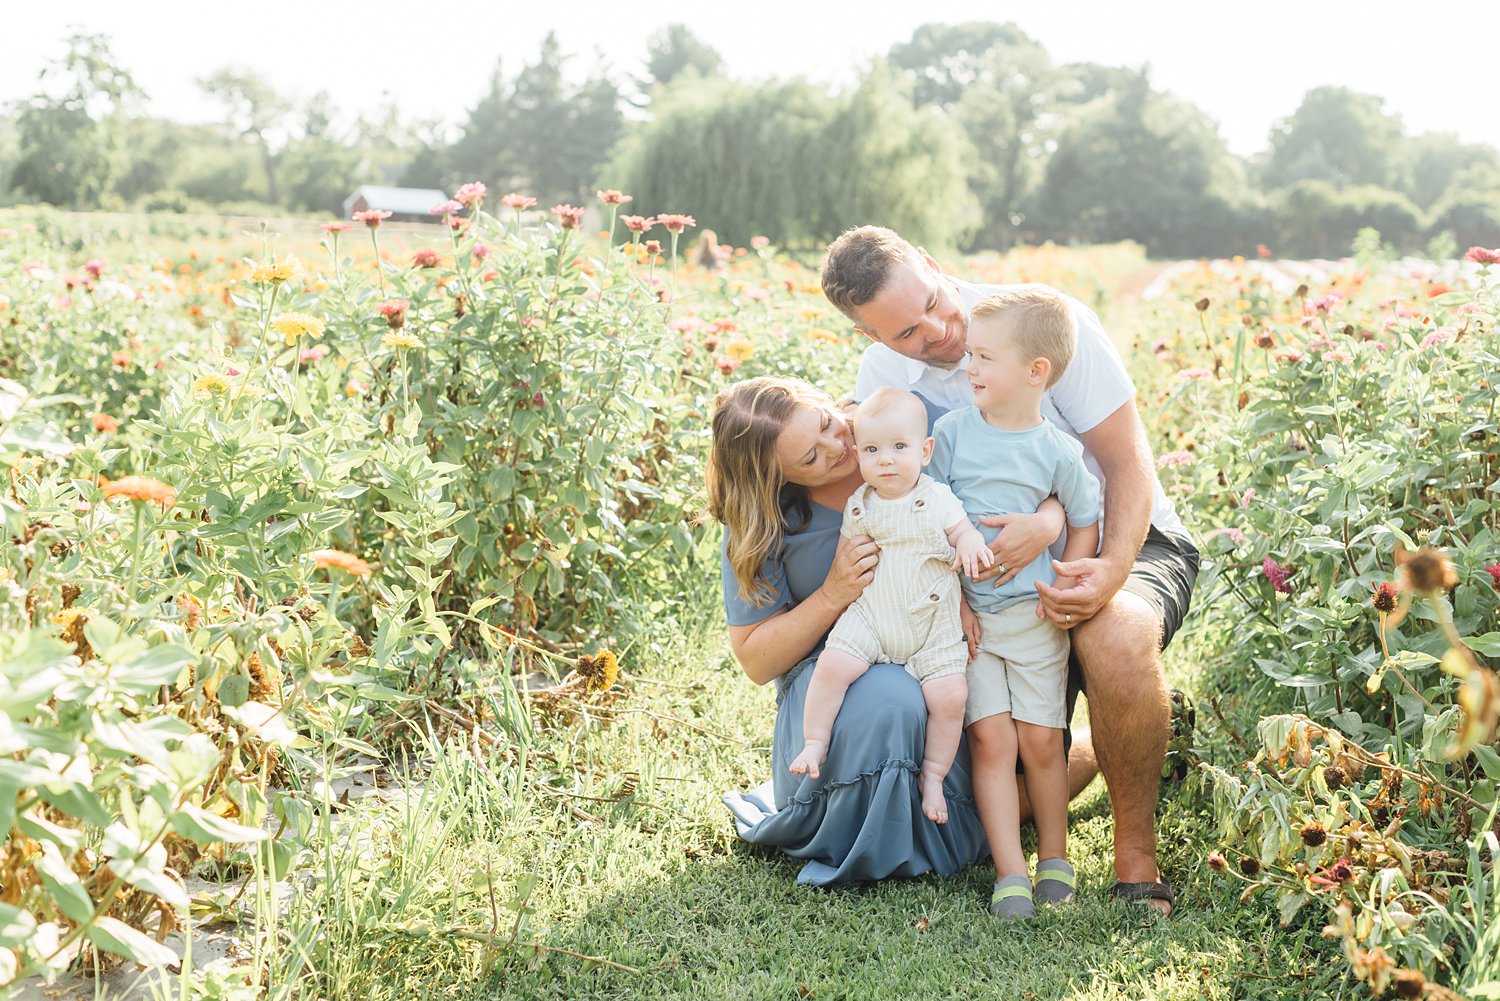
(1039, 321)
(888, 399)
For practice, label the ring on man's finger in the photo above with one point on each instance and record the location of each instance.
(1068, 619)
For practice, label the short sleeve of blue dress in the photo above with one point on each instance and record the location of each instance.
(862, 818)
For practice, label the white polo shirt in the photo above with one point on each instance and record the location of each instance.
(1093, 386)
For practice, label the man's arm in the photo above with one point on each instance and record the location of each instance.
(1119, 444)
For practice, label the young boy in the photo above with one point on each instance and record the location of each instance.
(909, 614)
(1000, 457)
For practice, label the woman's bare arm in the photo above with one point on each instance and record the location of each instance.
(773, 646)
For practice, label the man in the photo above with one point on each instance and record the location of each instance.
(1132, 597)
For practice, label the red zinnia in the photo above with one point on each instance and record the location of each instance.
(613, 197)
(106, 423)
(517, 202)
(394, 311)
(1479, 255)
(1494, 571)
(638, 223)
(426, 258)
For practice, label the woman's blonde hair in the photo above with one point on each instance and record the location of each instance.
(747, 491)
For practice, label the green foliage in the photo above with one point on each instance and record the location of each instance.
(1340, 137)
(674, 50)
(788, 161)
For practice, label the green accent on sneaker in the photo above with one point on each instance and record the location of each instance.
(1012, 898)
(1055, 881)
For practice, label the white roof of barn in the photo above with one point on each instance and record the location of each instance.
(410, 201)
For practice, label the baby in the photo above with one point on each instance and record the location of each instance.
(909, 614)
(1000, 456)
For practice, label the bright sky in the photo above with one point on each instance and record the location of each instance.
(1246, 65)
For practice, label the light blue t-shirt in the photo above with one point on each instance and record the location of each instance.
(994, 471)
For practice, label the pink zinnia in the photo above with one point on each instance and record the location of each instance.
(1262, 251)
(470, 194)
(1232, 534)
(1337, 355)
(1328, 303)
(517, 202)
(682, 323)
(1440, 336)
(94, 266)
(1481, 255)
(613, 197)
(676, 223)
(338, 226)
(394, 311)
(426, 258)
(449, 207)
(760, 242)
(480, 251)
(568, 216)
(1195, 373)
(652, 246)
(7, 233)
(1277, 575)
(638, 223)
(314, 354)
(371, 217)
(726, 364)
(1177, 458)
(756, 294)
(1289, 356)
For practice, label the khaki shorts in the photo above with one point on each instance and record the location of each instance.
(1021, 668)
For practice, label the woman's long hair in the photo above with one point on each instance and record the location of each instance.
(746, 489)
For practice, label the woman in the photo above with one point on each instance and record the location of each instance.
(780, 470)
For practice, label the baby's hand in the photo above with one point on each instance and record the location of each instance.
(973, 555)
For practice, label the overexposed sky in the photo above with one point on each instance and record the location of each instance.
(1245, 64)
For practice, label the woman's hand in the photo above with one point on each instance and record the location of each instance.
(1022, 538)
(853, 569)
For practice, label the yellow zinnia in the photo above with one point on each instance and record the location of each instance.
(276, 272)
(740, 349)
(295, 325)
(210, 385)
(401, 341)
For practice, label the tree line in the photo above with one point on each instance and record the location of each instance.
(966, 136)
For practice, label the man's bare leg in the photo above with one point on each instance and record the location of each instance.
(1130, 712)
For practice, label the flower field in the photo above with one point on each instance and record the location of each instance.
(357, 596)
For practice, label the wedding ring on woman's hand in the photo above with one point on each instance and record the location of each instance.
(1002, 568)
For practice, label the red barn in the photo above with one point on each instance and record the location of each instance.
(404, 204)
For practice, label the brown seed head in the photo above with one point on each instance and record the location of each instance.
(1202, 305)
(1250, 865)
(1217, 862)
(598, 671)
(1313, 834)
(1410, 983)
(1335, 778)
(1385, 597)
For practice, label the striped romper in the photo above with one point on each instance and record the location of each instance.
(909, 613)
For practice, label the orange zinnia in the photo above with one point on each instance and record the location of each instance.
(141, 488)
(347, 562)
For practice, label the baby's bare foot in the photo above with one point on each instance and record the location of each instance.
(814, 753)
(934, 803)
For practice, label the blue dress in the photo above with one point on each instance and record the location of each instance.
(862, 818)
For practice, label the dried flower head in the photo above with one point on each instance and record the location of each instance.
(1250, 865)
(1202, 305)
(141, 488)
(1313, 834)
(1217, 862)
(1410, 983)
(1335, 778)
(337, 558)
(1428, 570)
(598, 671)
(295, 325)
(71, 622)
(1384, 599)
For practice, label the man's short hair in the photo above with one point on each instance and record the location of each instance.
(858, 264)
(890, 400)
(1040, 322)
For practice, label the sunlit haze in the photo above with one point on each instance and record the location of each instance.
(1245, 65)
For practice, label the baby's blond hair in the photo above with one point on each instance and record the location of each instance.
(889, 400)
(1039, 321)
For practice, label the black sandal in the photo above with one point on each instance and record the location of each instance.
(1146, 891)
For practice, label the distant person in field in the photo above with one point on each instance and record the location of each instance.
(1123, 605)
(910, 612)
(1001, 456)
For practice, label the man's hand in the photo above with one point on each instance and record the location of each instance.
(1022, 538)
(1082, 588)
(970, 624)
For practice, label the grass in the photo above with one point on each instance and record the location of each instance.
(605, 837)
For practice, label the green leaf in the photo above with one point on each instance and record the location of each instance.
(234, 690)
(16, 926)
(159, 665)
(1488, 760)
(117, 937)
(64, 885)
(205, 828)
